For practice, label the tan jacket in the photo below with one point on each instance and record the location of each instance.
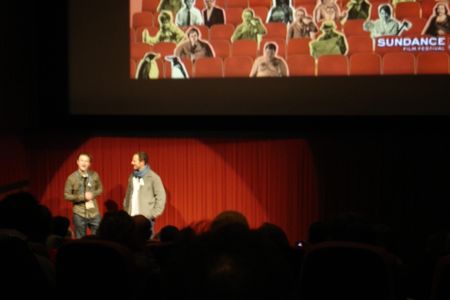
(152, 196)
(73, 191)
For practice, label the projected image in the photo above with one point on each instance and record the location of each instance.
(188, 39)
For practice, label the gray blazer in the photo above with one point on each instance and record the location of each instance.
(152, 196)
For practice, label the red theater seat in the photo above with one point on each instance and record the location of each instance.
(276, 30)
(298, 46)
(132, 68)
(427, 8)
(142, 19)
(238, 66)
(234, 15)
(164, 48)
(365, 64)
(417, 27)
(332, 65)
(301, 65)
(138, 50)
(244, 48)
(398, 63)
(255, 3)
(354, 28)
(261, 11)
(221, 32)
(358, 44)
(433, 63)
(405, 10)
(132, 36)
(150, 5)
(221, 48)
(208, 67)
(236, 3)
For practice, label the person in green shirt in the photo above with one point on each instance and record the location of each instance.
(168, 31)
(251, 28)
(330, 42)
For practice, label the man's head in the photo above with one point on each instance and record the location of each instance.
(165, 18)
(300, 13)
(247, 15)
(139, 160)
(270, 50)
(193, 35)
(189, 3)
(84, 162)
(210, 3)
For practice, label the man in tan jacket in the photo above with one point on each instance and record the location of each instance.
(145, 193)
(82, 188)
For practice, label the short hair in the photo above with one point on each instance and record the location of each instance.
(165, 16)
(84, 154)
(248, 10)
(143, 156)
(271, 46)
(386, 8)
(193, 29)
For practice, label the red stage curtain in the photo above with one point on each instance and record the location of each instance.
(267, 180)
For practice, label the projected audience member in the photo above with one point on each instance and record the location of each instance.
(148, 68)
(303, 26)
(269, 64)
(281, 11)
(328, 10)
(330, 42)
(170, 5)
(168, 31)
(251, 28)
(189, 15)
(82, 188)
(213, 14)
(194, 47)
(385, 24)
(358, 9)
(145, 193)
(439, 22)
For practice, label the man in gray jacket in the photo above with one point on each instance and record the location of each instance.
(145, 194)
(82, 188)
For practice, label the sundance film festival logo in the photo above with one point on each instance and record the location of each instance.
(412, 44)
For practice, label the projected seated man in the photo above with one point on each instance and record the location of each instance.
(171, 5)
(213, 14)
(189, 15)
(385, 24)
(251, 28)
(358, 9)
(330, 42)
(193, 48)
(168, 31)
(303, 26)
(269, 64)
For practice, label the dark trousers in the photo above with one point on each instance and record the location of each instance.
(81, 224)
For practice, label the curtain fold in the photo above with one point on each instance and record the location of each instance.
(267, 180)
